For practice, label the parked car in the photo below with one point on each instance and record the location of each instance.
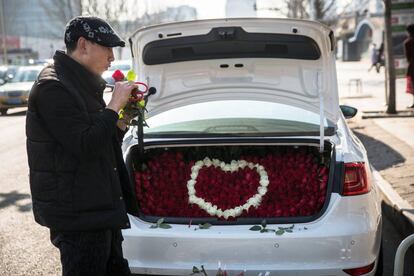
(15, 92)
(7, 73)
(248, 165)
(123, 65)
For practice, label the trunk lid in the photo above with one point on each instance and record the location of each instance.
(272, 60)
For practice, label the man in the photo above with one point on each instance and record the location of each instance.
(78, 180)
(409, 54)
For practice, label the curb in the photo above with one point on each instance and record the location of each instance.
(383, 114)
(398, 210)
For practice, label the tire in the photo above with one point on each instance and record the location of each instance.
(3, 111)
(380, 262)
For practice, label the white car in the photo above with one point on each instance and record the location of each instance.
(248, 166)
(15, 92)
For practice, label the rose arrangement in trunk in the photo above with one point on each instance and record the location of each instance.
(288, 184)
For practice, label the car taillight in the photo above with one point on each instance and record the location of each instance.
(355, 180)
(359, 270)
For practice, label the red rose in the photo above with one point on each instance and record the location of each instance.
(118, 75)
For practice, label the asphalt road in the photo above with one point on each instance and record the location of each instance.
(24, 246)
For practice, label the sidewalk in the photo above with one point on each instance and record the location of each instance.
(389, 141)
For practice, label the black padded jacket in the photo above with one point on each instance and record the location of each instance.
(78, 179)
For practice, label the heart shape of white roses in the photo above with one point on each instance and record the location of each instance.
(234, 166)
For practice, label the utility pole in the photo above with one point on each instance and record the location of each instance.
(389, 61)
(3, 33)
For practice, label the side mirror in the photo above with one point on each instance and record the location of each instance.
(348, 111)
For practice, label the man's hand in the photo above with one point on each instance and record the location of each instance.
(124, 122)
(120, 95)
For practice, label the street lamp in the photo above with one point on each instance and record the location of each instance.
(3, 32)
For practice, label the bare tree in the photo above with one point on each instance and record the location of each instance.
(59, 12)
(320, 10)
(297, 9)
(323, 9)
(119, 13)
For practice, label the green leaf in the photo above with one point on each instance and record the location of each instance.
(264, 223)
(204, 226)
(165, 226)
(289, 230)
(154, 226)
(160, 221)
(280, 232)
(291, 227)
(256, 228)
(196, 270)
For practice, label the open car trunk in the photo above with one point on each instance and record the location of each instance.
(248, 178)
(232, 181)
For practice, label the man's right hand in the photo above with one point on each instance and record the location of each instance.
(120, 95)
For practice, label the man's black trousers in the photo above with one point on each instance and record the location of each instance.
(97, 253)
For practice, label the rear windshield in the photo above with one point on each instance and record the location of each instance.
(230, 42)
(230, 118)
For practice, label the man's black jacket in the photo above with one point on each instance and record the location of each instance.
(78, 179)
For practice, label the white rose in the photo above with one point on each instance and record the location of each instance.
(192, 199)
(252, 201)
(216, 162)
(264, 177)
(234, 166)
(246, 206)
(219, 213)
(199, 201)
(191, 182)
(226, 168)
(194, 175)
(262, 190)
(226, 214)
(191, 190)
(207, 162)
(250, 165)
(258, 197)
(199, 163)
(238, 210)
(212, 211)
(264, 182)
(242, 164)
(207, 205)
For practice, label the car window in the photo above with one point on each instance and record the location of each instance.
(3, 73)
(235, 117)
(122, 67)
(26, 75)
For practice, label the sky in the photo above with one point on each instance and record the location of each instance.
(212, 8)
(205, 9)
(217, 8)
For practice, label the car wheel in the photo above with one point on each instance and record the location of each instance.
(380, 262)
(3, 111)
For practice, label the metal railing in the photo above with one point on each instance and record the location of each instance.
(400, 255)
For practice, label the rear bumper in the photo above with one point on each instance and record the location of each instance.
(11, 102)
(348, 235)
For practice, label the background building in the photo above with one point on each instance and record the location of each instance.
(34, 28)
